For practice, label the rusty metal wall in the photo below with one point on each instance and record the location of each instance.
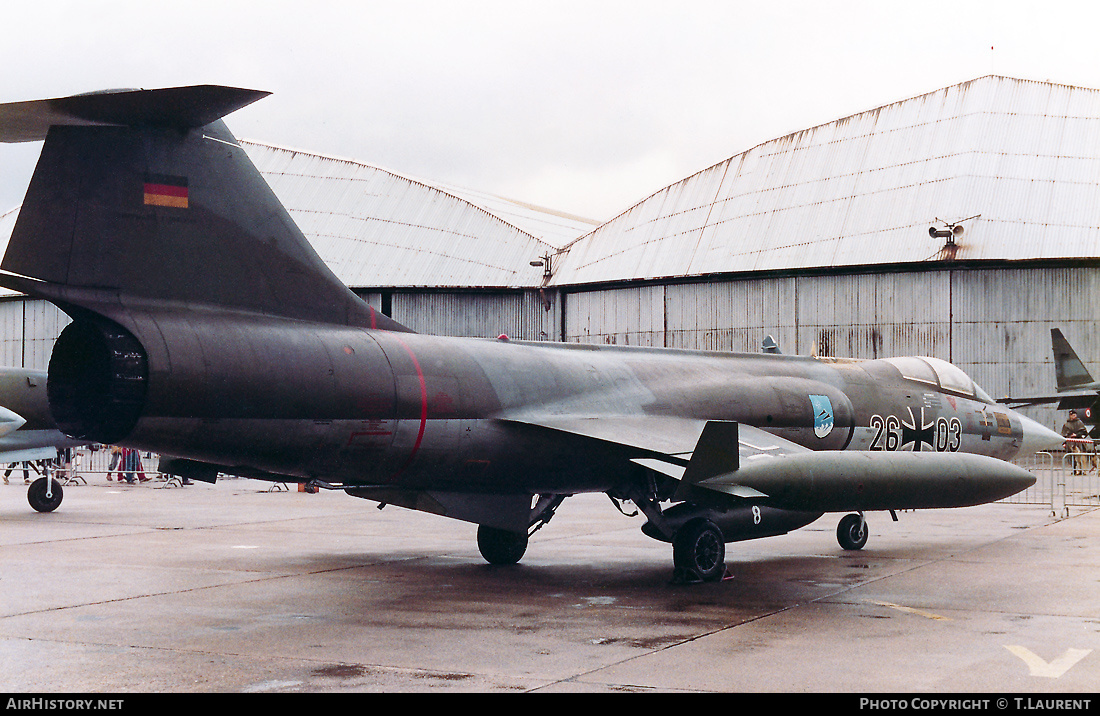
(992, 323)
(28, 330)
(858, 316)
(626, 316)
(874, 315)
(732, 315)
(522, 315)
(1002, 322)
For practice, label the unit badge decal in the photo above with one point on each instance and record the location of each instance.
(823, 415)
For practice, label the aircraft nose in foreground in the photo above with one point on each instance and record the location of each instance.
(1037, 438)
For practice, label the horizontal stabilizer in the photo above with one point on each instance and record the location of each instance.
(175, 107)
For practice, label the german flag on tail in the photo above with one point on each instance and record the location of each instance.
(164, 190)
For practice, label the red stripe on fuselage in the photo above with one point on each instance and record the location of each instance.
(423, 406)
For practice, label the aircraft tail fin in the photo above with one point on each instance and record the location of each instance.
(144, 197)
(1069, 370)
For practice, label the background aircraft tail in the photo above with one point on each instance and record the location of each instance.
(144, 197)
(1069, 371)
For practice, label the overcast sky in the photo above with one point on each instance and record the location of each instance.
(585, 107)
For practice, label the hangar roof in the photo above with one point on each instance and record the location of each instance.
(374, 227)
(1015, 162)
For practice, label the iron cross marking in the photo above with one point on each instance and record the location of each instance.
(919, 436)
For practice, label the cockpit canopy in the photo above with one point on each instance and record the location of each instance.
(939, 373)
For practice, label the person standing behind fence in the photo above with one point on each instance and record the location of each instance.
(1075, 433)
(64, 463)
(131, 461)
(116, 461)
(138, 467)
(27, 466)
(125, 471)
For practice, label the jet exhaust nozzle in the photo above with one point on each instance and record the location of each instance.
(97, 383)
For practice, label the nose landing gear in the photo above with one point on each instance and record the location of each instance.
(45, 494)
(851, 533)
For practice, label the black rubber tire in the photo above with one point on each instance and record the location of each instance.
(851, 533)
(36, 495)
(699, 552)
(501, 546)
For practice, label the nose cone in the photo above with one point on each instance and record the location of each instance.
(9, 421)
(1037, 438)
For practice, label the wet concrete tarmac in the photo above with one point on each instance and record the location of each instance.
(231, 588)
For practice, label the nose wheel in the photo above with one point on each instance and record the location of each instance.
(851, 533)
(45, 494)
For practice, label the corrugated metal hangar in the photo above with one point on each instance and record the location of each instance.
(961, 224)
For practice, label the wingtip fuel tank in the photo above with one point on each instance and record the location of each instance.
(845, 481)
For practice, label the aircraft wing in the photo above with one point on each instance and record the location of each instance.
(1066, 399)
(27, 444)
(1020, 402)
(670, 438)
(722, 463)
(10, 421)
(8, 457)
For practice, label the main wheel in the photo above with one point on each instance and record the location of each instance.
(699, 552)
(36, 495)
(501, 546)
(851, 533)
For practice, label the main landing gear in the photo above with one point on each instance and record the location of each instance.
(698, 539)
(500, 546)
(698, 552)
(45, 494)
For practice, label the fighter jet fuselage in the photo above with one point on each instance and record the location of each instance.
(357, 406)
(207, 329)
